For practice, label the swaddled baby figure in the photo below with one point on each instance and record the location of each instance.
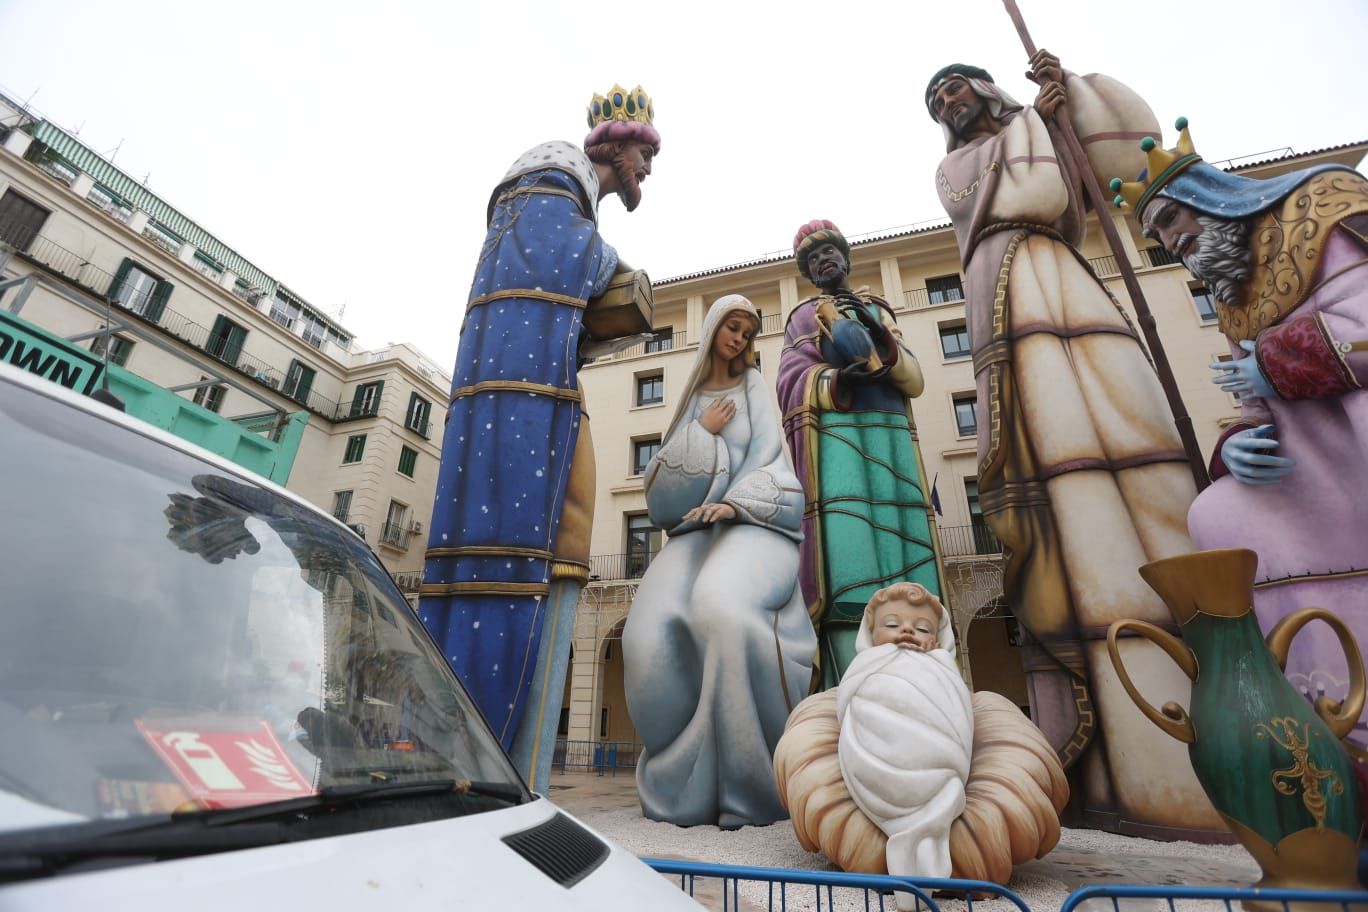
(907, 729)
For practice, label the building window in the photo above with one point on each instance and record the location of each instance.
(408, 458)
(356, 445)
(650, 389)
(603, 722)
(366, 399)
(315, 330)
(419, 411)
(966, 414)
(225, 341)
(284, 312)
(20, 220)
(1205, 303)
(299, 381)
(145, 293)
(210, 395)
(944, 289)
(393, 532)
(954, 339)
(342, 505)
(662, 341)
(642, 451)
(643, 542)
(119, 348)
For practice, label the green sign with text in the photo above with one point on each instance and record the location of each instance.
(74, 368)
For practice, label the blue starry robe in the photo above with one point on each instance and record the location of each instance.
(511, 431)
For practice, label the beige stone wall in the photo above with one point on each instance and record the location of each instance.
(97, 244)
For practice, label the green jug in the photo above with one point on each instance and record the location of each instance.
(1272, 765)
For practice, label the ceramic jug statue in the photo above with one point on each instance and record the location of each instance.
(1272, 765)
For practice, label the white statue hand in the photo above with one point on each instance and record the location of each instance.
(1243, 377)
(717, 414)
(711, 513)
(1249, 457)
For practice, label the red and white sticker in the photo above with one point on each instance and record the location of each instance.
(228, 768)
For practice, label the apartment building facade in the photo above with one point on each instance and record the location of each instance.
(632, 395)
(92, 257)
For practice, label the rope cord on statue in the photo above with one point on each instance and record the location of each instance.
(822, 431)
(898, 574)
(912, 539)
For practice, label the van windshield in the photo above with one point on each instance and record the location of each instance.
(177, 638)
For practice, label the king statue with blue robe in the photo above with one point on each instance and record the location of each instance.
(508, 548)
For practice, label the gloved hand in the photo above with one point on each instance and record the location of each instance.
(1250, 459)
(851, 341)
(1243, 377)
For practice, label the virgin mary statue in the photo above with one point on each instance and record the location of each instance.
(718, 646)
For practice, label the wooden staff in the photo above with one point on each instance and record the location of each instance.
(1073, 150)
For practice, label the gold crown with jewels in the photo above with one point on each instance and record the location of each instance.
(1164, 165)
(620, 104)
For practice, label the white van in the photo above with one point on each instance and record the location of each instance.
(212, 696)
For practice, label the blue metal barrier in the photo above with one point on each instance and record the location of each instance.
(1267, 898)
(602, 757)
(783, 886)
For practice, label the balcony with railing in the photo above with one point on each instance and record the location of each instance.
(967, 541)
(408, 581)
(81, 272)
(924, 298)
(1104, 266)
(614, 567)
(394, 534)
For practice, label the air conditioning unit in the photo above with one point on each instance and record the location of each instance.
(415, 527)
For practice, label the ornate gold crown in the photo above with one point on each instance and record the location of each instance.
(1164, 166)
(621, 104)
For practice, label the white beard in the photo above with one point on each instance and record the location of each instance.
(1221, 258)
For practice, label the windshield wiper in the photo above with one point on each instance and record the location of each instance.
(338, 796)
(36, 853)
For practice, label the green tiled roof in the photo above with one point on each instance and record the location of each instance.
(134, 193)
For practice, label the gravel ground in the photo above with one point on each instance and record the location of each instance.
(1082, 857)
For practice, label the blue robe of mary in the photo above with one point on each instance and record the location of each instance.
(512, 426)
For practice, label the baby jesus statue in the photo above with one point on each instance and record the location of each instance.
(907, 729)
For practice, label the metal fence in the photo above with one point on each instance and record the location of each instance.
(602, 757)
(737, 887)
(628, 566)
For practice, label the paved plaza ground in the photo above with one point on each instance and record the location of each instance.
(609, 804)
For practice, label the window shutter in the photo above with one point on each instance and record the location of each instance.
(413, 405)
(157, 304)
(356, 400)
(379, 392)
(120, 277)
(233, 350)
(306, 379)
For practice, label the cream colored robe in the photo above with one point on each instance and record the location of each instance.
(1081, 471)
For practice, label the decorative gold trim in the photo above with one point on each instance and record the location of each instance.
(517, 386)
(477, 587)
(1287, 243)
(550, 191)
(536, 295)
(1282, 731)
(1319, 859)
(956, 195)
(569, 571)
(488, 551)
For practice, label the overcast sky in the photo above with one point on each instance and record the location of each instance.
(348, 149)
